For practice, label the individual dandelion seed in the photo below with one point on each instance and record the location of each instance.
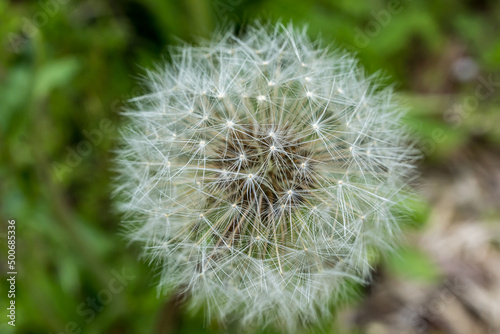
(269, 181)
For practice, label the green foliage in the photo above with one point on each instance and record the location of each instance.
(411, 263)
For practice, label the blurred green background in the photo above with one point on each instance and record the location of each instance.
(68, 67)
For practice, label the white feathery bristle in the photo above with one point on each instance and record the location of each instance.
(259, 173)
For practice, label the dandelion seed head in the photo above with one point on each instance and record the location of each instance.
(274, 238)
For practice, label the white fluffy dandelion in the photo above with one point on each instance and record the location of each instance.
(259, 173)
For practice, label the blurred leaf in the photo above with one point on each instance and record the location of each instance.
(53, 75)
(7, 329)
(14, 93)
(68, 274)
(492, 55)
(412, 263)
